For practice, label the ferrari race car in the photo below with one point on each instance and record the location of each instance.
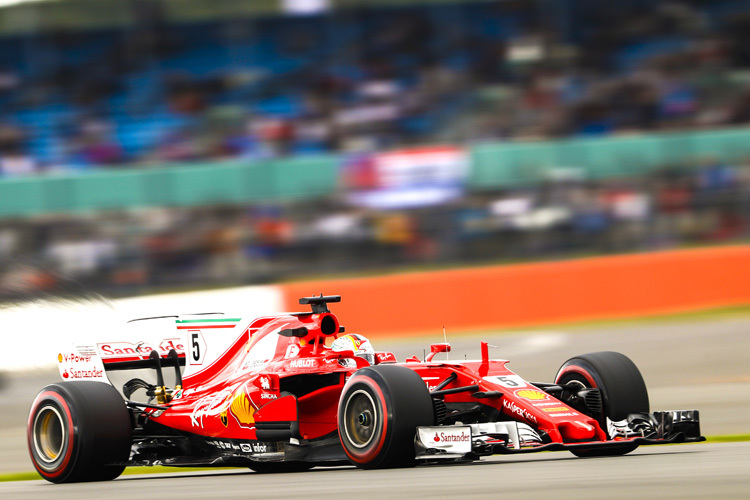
(279, 393)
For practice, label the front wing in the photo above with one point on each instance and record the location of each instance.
(511, 437)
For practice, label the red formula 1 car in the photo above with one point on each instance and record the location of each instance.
(278, 393)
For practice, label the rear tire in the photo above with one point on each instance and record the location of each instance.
(379, 411)
(621, 385)
(79, 431)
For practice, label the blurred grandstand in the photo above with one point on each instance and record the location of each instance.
(418, 133)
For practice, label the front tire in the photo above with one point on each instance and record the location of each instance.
(379, 411)
(79, 431)
(621, 385)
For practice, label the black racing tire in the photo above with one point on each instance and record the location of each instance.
(621, 385)
(379, 411)
(79, 431)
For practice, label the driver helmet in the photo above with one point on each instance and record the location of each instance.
(357, 343)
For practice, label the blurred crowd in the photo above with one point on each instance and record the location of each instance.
(172, 248)
(368, 78)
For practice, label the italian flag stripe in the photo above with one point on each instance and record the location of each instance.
(204, 327)
(220, 320)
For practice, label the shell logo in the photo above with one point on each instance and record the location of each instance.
(59, 358)
(243, 410)
(531, 394)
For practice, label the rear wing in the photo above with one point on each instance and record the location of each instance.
(146, 342)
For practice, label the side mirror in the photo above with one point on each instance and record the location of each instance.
(436, 348)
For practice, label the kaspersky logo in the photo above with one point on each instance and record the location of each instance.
(517, 410)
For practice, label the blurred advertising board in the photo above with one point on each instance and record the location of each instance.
(305, 7)
(406, 178)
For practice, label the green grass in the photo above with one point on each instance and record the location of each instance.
(130, 471)
(711, 314)
(730, 438)
(19, 476)
(161, 469)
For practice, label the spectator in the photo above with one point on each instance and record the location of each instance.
(14, 159)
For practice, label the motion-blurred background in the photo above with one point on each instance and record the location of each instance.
(151, 145)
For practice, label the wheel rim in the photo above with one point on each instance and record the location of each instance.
(49, 435)
(360, 419)
(580, 383)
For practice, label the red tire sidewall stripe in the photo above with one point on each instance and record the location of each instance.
(578, 371)
(368, 455)
(69, 432)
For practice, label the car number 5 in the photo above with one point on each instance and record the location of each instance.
(510, 381)
(197, 347)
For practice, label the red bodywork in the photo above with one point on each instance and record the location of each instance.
(272, 394)
(244, 389)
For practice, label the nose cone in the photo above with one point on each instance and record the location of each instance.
(577, 431)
